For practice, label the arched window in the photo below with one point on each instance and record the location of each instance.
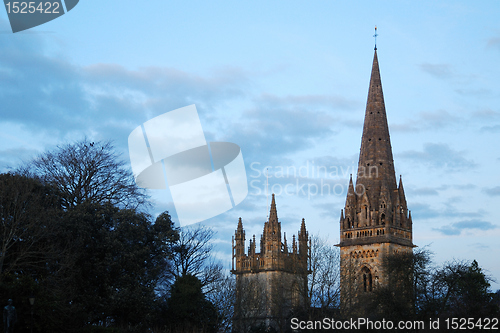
(367, 279)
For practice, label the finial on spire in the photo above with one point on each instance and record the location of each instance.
(375, 38)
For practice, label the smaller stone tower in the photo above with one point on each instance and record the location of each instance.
(272, 283)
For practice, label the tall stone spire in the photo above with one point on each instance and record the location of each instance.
(376, 165)
(375, 200)
(375, 222)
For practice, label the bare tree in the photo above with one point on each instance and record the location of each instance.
(324, 280)
(223, 296)
(191, 254)
(88, 171)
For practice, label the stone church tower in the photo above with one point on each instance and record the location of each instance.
(272, 283)
(375, 221)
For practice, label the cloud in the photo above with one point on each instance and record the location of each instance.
(487, 114)
(494, 191)
(107, 101)
(439, 156)
(465, 186)
(489, 117)
(474, 92)
(342, 167)
(457, 228)
(315, 178)
(480, 246)
(421, 211)
(295, 185)
(438, 119)
(494, 42)
(276, 130)
(440, 71)
(491, 129)
(447, 210)
(10, 158)
(50, 96)
(323, 101)
(424, 191)
(428, 121)
(328, 211)
(429, 191)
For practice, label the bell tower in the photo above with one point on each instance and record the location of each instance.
(270, 284)
(375, 221)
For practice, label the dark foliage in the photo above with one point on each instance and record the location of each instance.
(187, 308)
(114, 262)
(91, 265)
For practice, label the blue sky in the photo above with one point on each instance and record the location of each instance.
(287, 81)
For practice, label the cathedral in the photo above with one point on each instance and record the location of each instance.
(375, 221)
(270, 284)
(374, 224)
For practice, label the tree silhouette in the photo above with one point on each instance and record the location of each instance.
(87, 171)
(188, 309)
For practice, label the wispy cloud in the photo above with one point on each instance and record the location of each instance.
(275, 131)
(451, 209)
(457, 228)
(486, 114)
(328, 211)
(333, 102)
(423, 211)
(46, 93)
(493, 191)
(10, 158)
(439, 156)
(427, 120)
(440, 71)
(482, 92)
(491, 129)
(480, 246)
(424, 191)
(108, 100)
(494, 42)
